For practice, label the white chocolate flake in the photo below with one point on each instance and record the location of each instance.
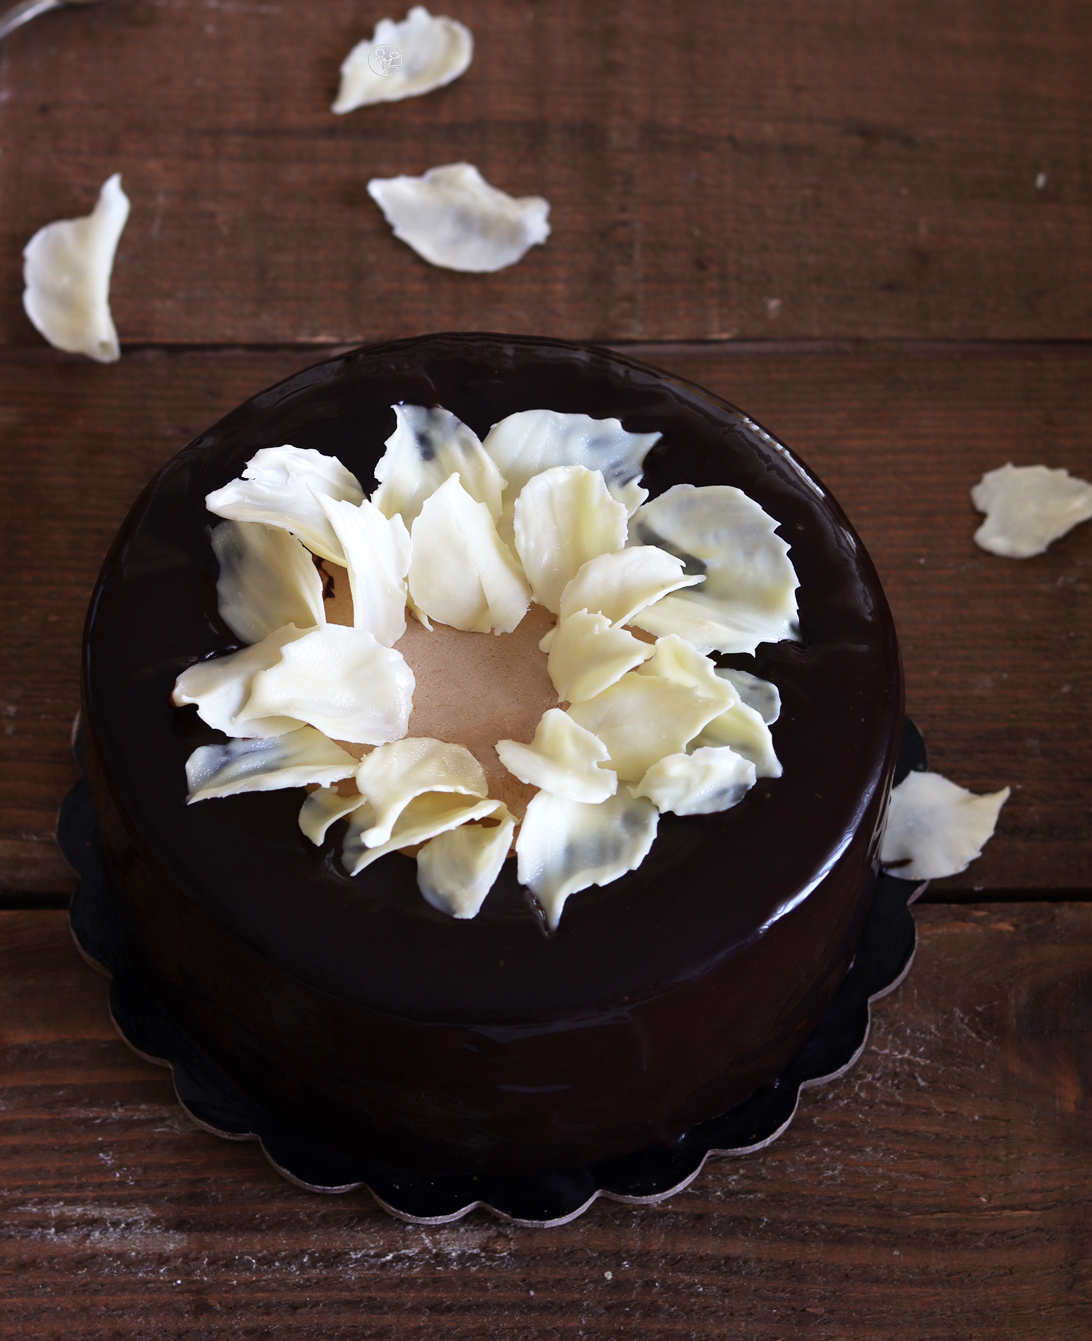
(426, 448)
(390, 777)
(677, 660)
(426, 816)
(742, 729)
(527, 443)
(434, 50)
(453, 218)
(563, 759)
(377, 555)
(267, 580)
(565, 846)
(461, 573)
(761, 695)
(66, 270)
(620, 585)
(340, 680)
(1027, 508)
(935, 827)
(221, 688)
(748, 596)
(587, 654)
(457, 869)
(322, 808)
(709, 780)
(564, 516)
(278, 487)
(294, 760)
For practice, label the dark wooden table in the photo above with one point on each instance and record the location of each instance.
(868, 224)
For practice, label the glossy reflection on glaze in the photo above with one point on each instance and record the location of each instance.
(664, 996)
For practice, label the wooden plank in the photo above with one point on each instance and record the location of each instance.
(942, 1187)
(806, 169)
(997, 652)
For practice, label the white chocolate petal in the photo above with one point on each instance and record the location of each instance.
(748, 596)
(377, 555)
(390, 777)
(620, 585)
(294, 760)
(433, 52)
(221, 688)
(267, 580)
(322, 808)
(644, 717)
(66, 270)
(340, 680)
(563, 759)
(587, 654)
(461, 573)
(279, 487)
(679, 661)
(457, 869)
(1027, 508)
(709, 780)
(565, 846)
(564, 517)
(742, 729)
(426, 447)
(527, 443)
(426, 816)
(761, 695)
(453, 218)
(936, 828)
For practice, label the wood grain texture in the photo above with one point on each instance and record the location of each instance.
(997, 652)
(805, 169)
(939, 1189)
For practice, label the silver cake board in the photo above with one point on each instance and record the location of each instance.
(214, 1101)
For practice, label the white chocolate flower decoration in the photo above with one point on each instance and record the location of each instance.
(644, 726)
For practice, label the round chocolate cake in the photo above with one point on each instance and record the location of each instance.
(354, 1008)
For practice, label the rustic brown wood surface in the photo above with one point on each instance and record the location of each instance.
(870, 226)
(940, 1189)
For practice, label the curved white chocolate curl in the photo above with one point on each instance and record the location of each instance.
(322, 808)
(936, 828)
(426, 816)
(565, 846)
(457, 869)
(563, 759)
(701, 783)
(461, 573)
(278, 487)
(620, 585)
(748, 596)
(426, 448)
(341, 681)
(221, 688)
(267, 580)
(66, 270)
(1027, 508)
(564, 517)
(453, 218)
(390, 777)
(377, 555)
(588, 654)
(295, 760)
(433, 52)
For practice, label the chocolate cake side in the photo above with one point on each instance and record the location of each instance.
(665, 997)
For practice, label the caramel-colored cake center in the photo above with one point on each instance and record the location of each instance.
(473, 689)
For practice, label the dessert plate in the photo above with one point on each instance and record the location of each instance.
(215, 1102)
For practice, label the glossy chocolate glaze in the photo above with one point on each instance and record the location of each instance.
(353, 1006)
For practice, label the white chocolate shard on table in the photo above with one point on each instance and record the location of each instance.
(453, 218)
(936, 828)
(66, 270)
(1027, 508)
(432, 50)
